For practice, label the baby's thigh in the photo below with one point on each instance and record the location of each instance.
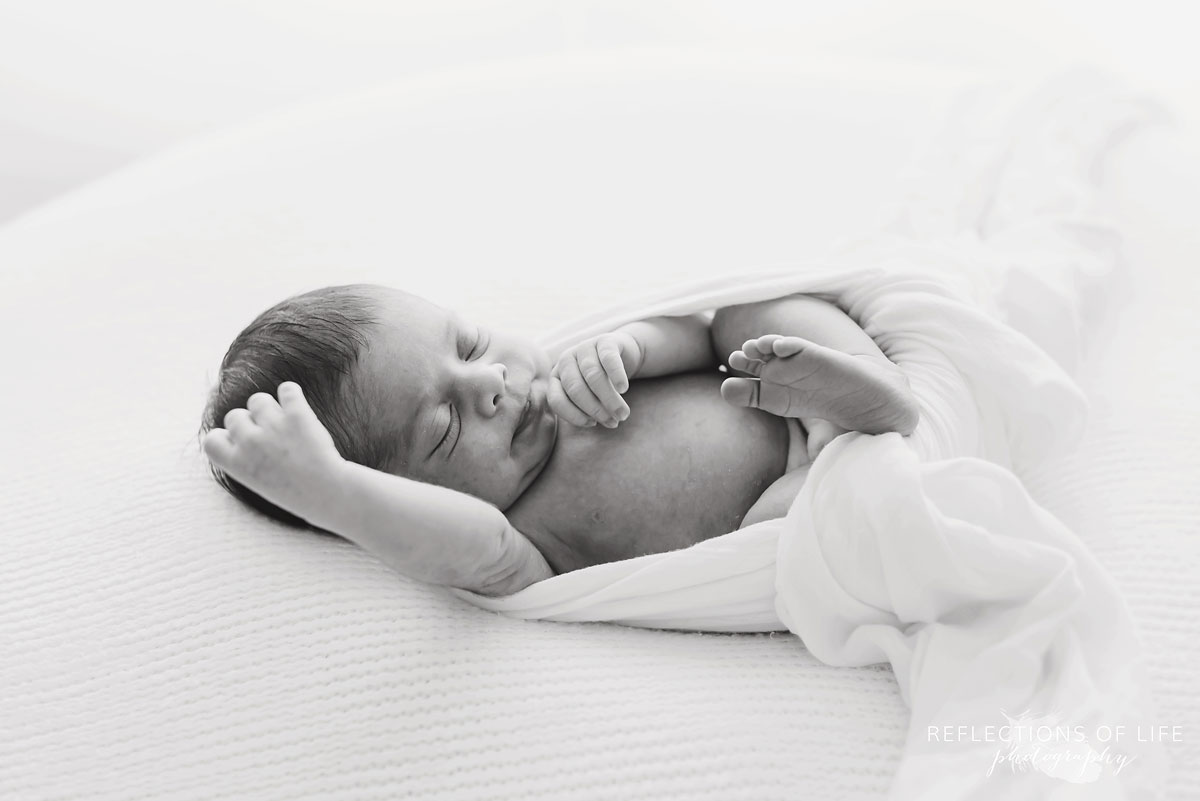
(790, 316)
(777, 499)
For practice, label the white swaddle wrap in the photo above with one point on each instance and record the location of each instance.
(927, 552)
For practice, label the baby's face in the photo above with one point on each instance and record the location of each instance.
(471, 402)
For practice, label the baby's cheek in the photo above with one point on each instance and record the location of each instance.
(492, 480)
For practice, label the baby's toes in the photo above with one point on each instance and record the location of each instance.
(798, 360)
(739, 361)
(784, 347)
(740, 391)
(760, 347)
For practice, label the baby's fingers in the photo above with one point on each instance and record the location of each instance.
(561, 405)
(264, 409)
(575, 385)
(238, 422)
(296, 408)
(218, 447)
(600, 381)
(290, 395)
(610, 358)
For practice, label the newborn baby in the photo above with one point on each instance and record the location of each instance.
(461, 456)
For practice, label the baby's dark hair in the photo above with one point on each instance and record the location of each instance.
(314, 339)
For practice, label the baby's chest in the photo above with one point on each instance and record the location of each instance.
(684, 467)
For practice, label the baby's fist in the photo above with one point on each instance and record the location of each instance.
(277, 449)
(588, 380)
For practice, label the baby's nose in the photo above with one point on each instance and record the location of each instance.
(491, 384)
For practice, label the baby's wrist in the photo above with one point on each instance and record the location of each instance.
(632, 345)
(327, 498)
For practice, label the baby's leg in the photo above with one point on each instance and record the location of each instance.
(777, 499)
(816, 362)
(798, 378)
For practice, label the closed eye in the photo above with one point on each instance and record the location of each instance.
(453, 429)
(478, 347)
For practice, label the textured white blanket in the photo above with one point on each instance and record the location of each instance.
(1012, 647)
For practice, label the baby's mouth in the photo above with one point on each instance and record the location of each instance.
(523, 419)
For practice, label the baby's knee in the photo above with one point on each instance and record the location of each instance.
(733, 325)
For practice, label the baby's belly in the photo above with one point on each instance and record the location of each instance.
(685, 466)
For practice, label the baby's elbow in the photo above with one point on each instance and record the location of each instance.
(517, 565)
(511, 580)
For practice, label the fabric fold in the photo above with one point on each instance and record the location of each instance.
(985, 606)
(926, 552)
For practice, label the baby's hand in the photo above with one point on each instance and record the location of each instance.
(279, 450)
(588, 380)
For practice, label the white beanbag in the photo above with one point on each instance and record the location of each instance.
(162, 641)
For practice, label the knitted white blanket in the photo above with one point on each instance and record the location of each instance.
(161, 642)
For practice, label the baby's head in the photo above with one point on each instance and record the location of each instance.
(402, 385)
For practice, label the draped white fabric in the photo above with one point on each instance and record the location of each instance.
(163, 642)
(927, 552)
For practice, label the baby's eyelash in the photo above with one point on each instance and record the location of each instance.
(475, 351)
(451, 429)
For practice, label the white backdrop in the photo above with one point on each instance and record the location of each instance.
(164, 641)
(86, 87)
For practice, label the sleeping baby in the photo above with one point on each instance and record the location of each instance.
(460, 456)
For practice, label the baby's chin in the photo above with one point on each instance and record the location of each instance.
(545, 439)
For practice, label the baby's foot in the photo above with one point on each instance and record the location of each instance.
(798, 378)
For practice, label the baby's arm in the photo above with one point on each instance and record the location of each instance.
(433, 534)
(671, 345)
(588, 379)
